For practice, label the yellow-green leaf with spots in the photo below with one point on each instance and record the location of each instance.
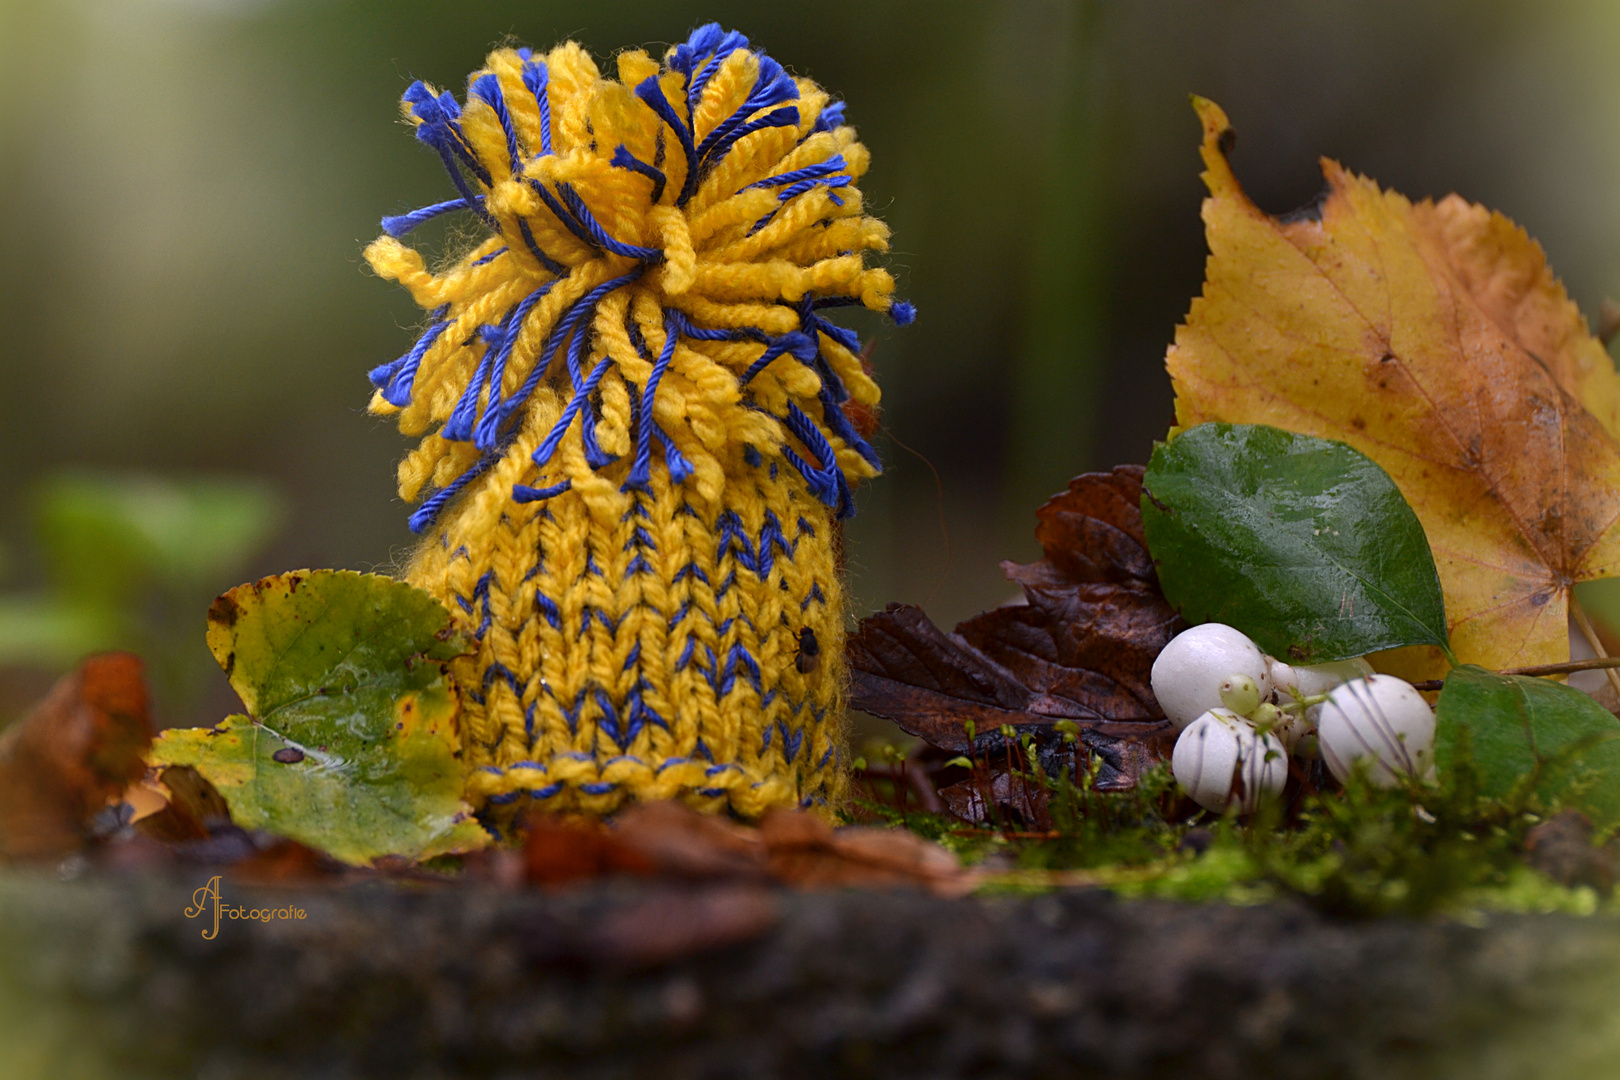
(352, 745)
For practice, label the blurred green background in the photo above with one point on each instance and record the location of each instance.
(186, 185)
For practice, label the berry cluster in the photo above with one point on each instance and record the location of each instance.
(1241, 713)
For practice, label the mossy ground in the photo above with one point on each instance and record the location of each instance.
(1360, 851)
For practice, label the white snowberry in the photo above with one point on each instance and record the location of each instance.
(1220, 761)
(1189, 672)
(1304, 681)
(1313, 679)
(1380, 719)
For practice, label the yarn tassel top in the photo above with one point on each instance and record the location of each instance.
(632, 405)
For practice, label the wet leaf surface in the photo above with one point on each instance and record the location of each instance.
(1304, 544)
(351, 747)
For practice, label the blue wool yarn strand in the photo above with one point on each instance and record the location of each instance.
(653, 94)
(401, 224)
(488, 89)
(624, 159)
(536, 79)
(487, 434)
(640, 473)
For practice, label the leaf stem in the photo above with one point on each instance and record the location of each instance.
(1589, 632)
(1568, 668)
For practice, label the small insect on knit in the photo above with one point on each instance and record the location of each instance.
(632, 404)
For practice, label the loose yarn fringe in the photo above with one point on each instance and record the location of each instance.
(662, 250)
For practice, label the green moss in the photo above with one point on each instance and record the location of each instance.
(1428, 849)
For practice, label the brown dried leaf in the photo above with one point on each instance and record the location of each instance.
(192, 810)
(1091, 532)
(1079, 649)
(562, 851)
(80, 747)
(973, 801)
(807, 854)
(678, 841)
(282, 862)
(1009, 797)
(669, 840)
(659, 839)
(906, 669)
(1084, 654)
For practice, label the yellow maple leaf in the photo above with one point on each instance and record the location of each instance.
(1433, 338)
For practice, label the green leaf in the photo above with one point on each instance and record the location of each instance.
(1304, 544)
(344, 675)
(1517, 729)
(105, 535)
(53, 632)
(1601, 599)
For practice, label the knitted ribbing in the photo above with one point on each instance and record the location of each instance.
(632, 412)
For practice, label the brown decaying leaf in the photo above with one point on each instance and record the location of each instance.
(802, 851)
(191, 807)
(1003, 796)
(81, 746)
(668, 840)
(560, 851)
(1080, 648)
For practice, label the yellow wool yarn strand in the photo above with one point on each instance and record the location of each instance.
(634, 441)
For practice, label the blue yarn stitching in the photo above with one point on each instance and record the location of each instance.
(832, 165)
(543, 454)
(552, 265)
(440, 131)
(652, 93)
(787, 116)
(640, 472)
(590, 230)
(576, 312)
(831, 117)
(523, 493)
(772, 86)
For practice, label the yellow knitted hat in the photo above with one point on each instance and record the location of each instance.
(633, 429)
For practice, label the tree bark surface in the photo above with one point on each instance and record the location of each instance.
(107, 977)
